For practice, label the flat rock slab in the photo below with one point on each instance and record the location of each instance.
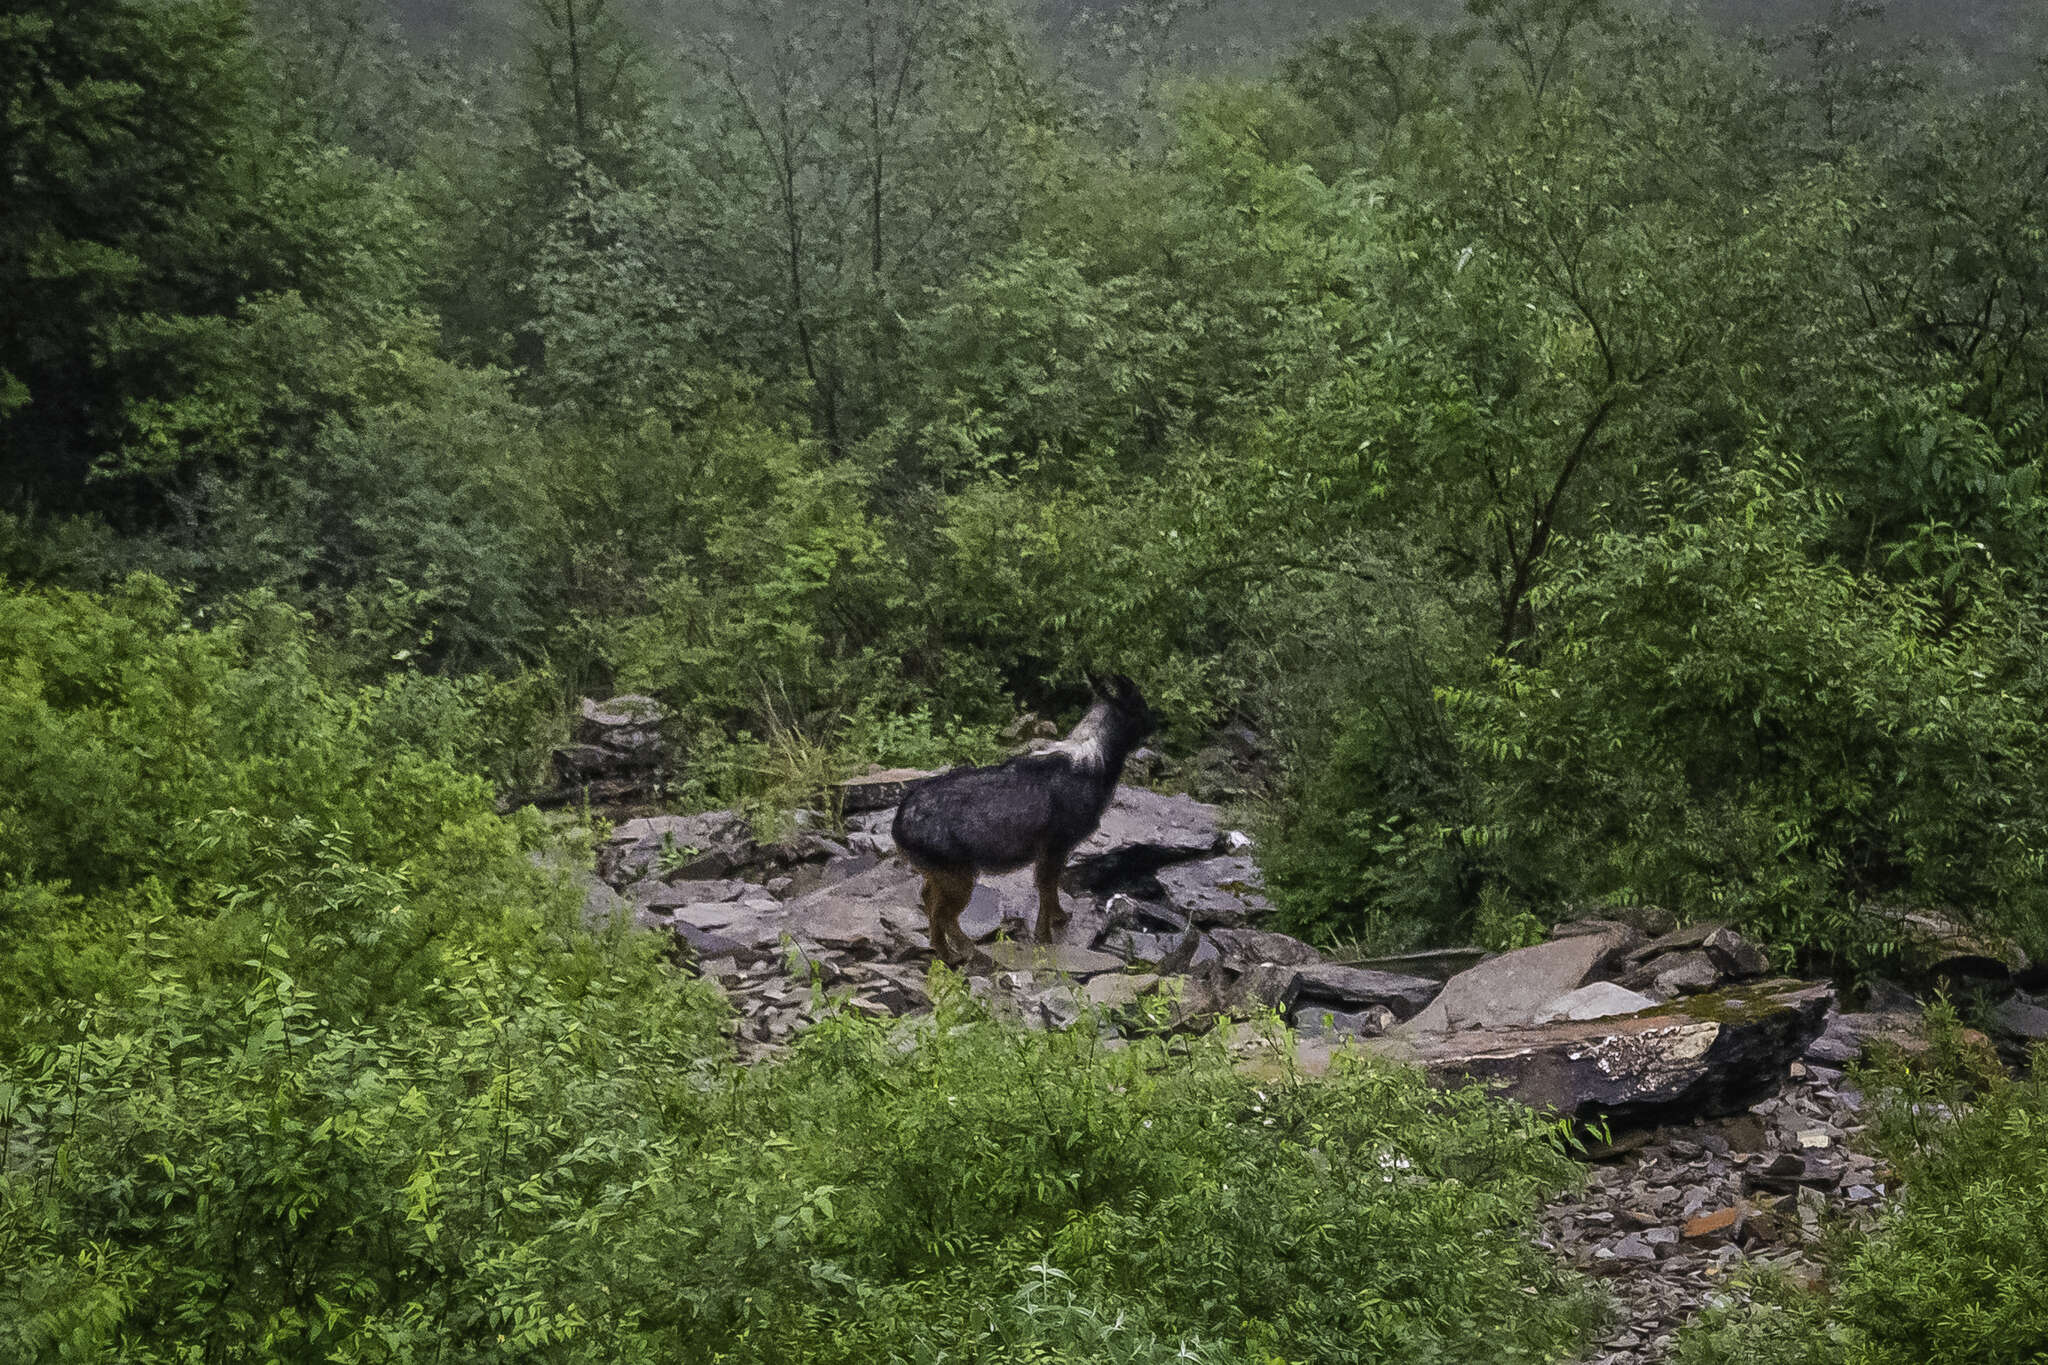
(1514, 988)
(879, 791)
(879, 907)
(1142, 832)
(1709, 1055)
(1216, 892)
(1065, 958)
(1322, 985)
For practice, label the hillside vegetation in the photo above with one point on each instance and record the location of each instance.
(1602, 458)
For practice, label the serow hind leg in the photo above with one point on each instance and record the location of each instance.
(945, 895)
(1052, 916)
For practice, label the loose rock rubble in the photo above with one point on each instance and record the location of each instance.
(1672, 1216)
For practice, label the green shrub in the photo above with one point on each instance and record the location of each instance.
(303, 1057)
(1958, 1270)
(1725, 724)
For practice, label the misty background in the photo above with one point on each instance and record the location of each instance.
(1998, 38)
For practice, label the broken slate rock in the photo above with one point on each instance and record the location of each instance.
(1686, 973)
(1213, 892)
(1709, 1055)
(1243, 949)
(656, 895)
(711, 844)
(1142, 832)
(876, 911)
(1515, 987)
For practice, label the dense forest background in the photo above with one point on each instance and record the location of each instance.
(1598, 449)
(1602, 452)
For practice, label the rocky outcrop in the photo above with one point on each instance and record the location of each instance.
(1709, 1055)
(1163, 906)
(1934, 947)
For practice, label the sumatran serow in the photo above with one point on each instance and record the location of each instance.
(1034, 809)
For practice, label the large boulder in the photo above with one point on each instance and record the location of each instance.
(1514, 988)
(1707, 1055)
(1142, 832)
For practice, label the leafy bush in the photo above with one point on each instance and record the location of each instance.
(302, 1056)
(1722, 723)
(1958, 1270)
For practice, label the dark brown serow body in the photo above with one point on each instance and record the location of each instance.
(1031, 811)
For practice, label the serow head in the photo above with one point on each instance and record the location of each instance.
(1124, 698)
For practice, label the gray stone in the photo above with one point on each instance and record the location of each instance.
(1355, 988)
(1211, 892)
(601, 722)
(1142, 832)
(711, 844)
(1011, 897)
(1146, 916)
(659, 895)
(1686, 973)
(1598, 1000)
(1119, 991)
(1242, 949)
(1735, 955)
(2022, 1019)
(873, 911)
(1513, 988)
(1134, 946)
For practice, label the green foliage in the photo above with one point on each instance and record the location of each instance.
(1737, 728)
(1958, 1269)
(303, 1055)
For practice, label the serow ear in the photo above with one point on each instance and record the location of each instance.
(1096, 685)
